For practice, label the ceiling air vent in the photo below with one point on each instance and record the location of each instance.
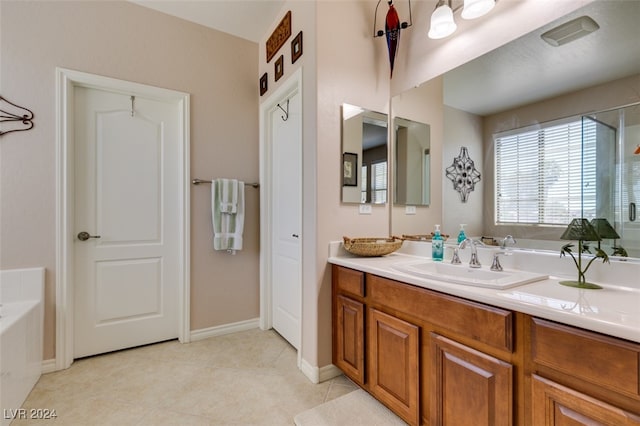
(570, 31)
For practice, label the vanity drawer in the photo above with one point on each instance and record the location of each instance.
(347, 280)
(486, 324)
(601, 360)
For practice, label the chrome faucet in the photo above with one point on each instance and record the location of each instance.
(508, 239)
(496, 266)
(473, 262)
(455, 259)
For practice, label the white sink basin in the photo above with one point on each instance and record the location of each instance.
(463, 274)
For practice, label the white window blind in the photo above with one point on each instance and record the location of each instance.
(546, 175)
(363, 185)
(379, 182)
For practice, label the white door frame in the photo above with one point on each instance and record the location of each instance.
(293, 85)
(66, 81)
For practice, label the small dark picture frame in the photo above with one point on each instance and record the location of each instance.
(296, 48)
(263, 84)
(349, 169)
(278, 67)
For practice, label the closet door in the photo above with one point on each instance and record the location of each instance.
(286, 216)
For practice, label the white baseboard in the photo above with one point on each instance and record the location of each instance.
(319, 374)
(49, 366)
(205, 333)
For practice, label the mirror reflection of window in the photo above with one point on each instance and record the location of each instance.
(364, 185)
(547, 176)
(378, 183)
(364, 133)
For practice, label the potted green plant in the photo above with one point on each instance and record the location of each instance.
(581, 230)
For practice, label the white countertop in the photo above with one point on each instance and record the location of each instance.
(613, 310)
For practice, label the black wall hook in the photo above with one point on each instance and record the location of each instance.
(7, 116)
(284, 117)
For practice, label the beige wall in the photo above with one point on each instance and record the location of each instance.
(342, 63)
(463, 129)
(126, 41)
(423, 104)
(352, 68)
(304, 18)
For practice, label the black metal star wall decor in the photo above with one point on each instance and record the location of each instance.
(463, 174)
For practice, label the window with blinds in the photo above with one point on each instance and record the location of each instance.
(374, 187)
(546, 175)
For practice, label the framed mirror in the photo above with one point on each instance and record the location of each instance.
(364, 155)
(528, 84)
(412, 155)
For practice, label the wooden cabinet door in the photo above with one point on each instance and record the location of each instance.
(557, 405)
(468, 387)
(349, 338)
(393, 364)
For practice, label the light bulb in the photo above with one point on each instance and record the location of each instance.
(442, 23)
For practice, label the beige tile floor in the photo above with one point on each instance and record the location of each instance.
(246, 378)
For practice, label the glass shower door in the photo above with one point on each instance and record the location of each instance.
(611, 183)
(630, 178)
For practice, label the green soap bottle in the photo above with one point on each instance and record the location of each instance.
(461, 235)
(437, 245)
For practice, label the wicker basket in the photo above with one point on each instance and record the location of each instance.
(371, 246)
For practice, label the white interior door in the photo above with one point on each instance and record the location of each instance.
(286, 217)
(127, 198)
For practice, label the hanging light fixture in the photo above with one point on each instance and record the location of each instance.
(442, 22)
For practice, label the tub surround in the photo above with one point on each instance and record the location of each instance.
(21, 336)
(614, 310)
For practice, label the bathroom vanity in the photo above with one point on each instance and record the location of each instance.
(450, 354)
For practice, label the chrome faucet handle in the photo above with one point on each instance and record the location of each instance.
(496, 266)
(508, 239)
(455, 260)
(474, 262)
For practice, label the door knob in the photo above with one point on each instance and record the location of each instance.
(84, 236)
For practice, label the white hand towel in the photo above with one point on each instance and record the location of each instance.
(228, 195)
(227, 226)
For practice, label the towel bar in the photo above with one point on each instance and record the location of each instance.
(199, 181)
